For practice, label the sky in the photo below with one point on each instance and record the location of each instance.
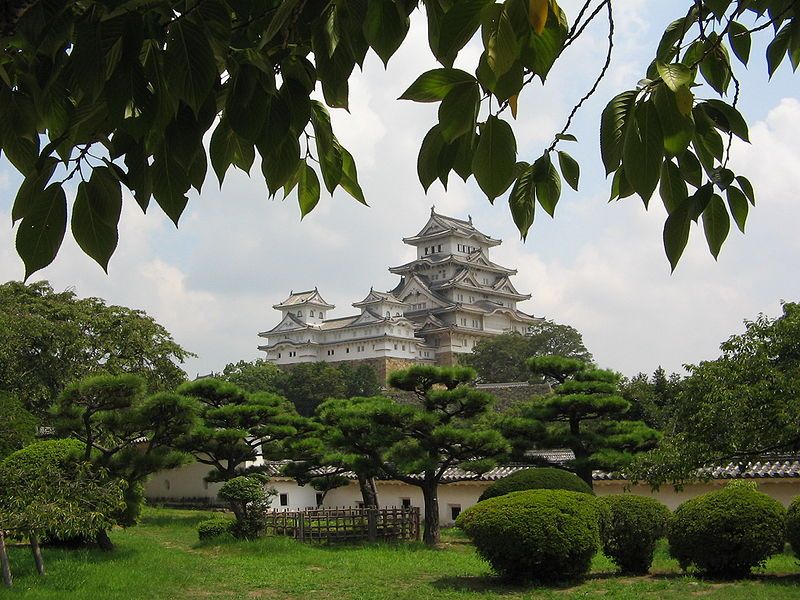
(598, 266)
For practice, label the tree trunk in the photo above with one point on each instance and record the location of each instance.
(37, 552)
(430, 534)
(583, 470)
(103, 541)
(4, 564)
(369, 492)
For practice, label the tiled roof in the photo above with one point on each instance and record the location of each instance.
(776, 469)
(296, 298)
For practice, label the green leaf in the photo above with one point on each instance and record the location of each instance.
(676, 235)
(42, 229)
(191, 68)
(95, 215)
(246, 103)
(279, 19)
(718, 7)
(738, 205)
(566, 137)
(612, 127)
(434, 85)
(739, 38)
(691, 169)
(349, 181)
(540, 50)
(747, 188)
(221, 150)
(731, 120)
(716, 224)
(458, 25)
(170, 184)
(428, 159)
(385, 27)
(329, 152)
(548, 184)
(698, 201)
(677, 128)
(458, 113)
(716, 66)
(501, 46)
(620, 187)
(307, 189)
(495, 157)
(674, 32)
(522, 201)
(672, 187)
(32, 186)
(778, 48)
(570, 169)
(279, 162)
(675, 75)
(643, 151)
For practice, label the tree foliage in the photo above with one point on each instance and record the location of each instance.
(48, 487)
(586, 414)
(741, 406)
(49, 339)
(503, 358)
(445, 429)
(123, 94)
(17, 425)
(235, 427)
(652, 398)
(124, 432)
(256, 376)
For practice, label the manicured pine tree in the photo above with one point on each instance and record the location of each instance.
(586, 414)
(128, 434)
(445, 429)
(236, 428)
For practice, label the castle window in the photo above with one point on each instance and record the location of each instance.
(279, 354)
(395, 346)
(312, 313)
(404, 346)
(439, 248)
(426, 250)
(347, 350)
(284, 499)
(388, 314)
(299, 313)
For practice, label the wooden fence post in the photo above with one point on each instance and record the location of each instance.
(37, 552)
(6, 567)
(372, 525)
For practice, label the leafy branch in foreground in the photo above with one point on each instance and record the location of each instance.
(121, 94)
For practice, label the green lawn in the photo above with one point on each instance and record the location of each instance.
(161, 559)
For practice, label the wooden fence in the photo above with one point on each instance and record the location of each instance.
(334, 525)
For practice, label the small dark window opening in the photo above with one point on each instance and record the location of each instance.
(406, 502)
(284, 499)
(455, 510)
(319, 498)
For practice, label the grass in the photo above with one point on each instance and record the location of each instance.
(161, 558)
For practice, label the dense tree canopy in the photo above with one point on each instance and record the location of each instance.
(504, 357)
(121, 93)
(586, 414)
(17, 425)
(653, 398)
(743, 405)
(49, 339)
(124, 432)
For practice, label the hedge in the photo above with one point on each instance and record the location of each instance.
(726, 533)
(546, 478)
(544, 535)
(630, 530)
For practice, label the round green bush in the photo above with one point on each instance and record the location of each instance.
(631, 527)
(544, 535)
(49, 487)
(793, 525)
(546, 478)
(727, 532)
(214, 527)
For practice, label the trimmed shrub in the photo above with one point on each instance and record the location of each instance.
(546, 478)
(214, 527)
(727, 532)
(48, 487)
(544, 535)
(630, 530)
(793, 525)
(249, 499)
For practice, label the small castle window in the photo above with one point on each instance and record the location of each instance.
(299, 313)
(312, 313)
(439, 248)
(284, 499)
(388, 314)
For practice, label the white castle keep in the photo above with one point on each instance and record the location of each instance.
(448, 299)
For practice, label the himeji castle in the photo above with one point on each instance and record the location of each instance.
(448, 299)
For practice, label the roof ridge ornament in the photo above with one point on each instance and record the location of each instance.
(433, 210)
